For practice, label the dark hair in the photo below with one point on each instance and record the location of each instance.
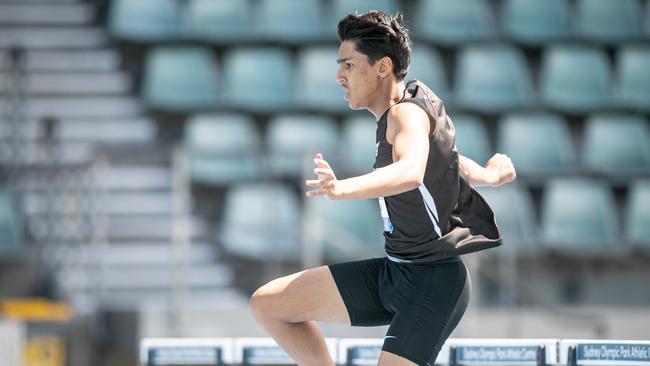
(376, 34)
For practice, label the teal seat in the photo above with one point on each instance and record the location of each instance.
(633, 78)
(223, 148)
(637, 217)
(180, 79)
(453, 21)
(262, 221)
(316, 80)
(341, 8)
(258, 78)
(617, 145)
(579, 214)
(290, 20)
(358, 144)
(218, 20)
(536, 22)
(10, 224)
(293, 140)
(472, 139)
(345, 230)
(515, 215)
(144, 20)
(610, 21)
(426, 66)
(575, 79)
(539, 144)
(493, 78)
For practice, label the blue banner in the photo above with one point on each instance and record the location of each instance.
(613, 352)
(497, 354)
(262, 355)
(184, 355)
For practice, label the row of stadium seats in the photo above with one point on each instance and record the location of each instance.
(226, 148)
(488, 78)
(441, 21)
(577, 215)
(10, 224)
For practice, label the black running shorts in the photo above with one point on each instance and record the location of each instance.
(422, 302)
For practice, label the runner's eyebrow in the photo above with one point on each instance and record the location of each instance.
(342, 60)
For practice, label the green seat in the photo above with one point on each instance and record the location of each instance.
(223, 148)
(539, 144)
(617, 145)
(515, 215)
(358, 144)
(536, 22)
(345, 230)
(318, 89)
(258, 78)
(426, 66)
(472, 139)
(453, 21)
(637, 217)
(218, 20)
(180, 79)
(262, 221)
(610, 21)
(633, 78)
(493, 78)
(144, 20)
(10, 224)
(575, 79)
(579, 214)
(293, 140)
(341, 8)
(290, 20)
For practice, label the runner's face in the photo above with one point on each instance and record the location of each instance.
(359, 79)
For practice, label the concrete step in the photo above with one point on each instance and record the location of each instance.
(46, 13)
(72, 60)
(52, 37)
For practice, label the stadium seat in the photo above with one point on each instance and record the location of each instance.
(218, 20)
(223, 148)
(358, 147)
(426, 66)
(341, 8)
(453, 21)
(633, 78)
(515, 215)
(493, 78)
(180, 79)
(10, 224)
(579, 213)
(262, 222)
(258, 78)
(575, 79)
(316, 80)
(345, 230)
(144, 20)
(536, 22)
(617, 145)
(637, 218)
(610, 21)
(472, 139)
(290, 20)
(539, 144)
(293, 140)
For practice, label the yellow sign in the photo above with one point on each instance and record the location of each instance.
(35, 310)
(45, 351)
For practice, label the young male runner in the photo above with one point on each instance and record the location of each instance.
(431, 216)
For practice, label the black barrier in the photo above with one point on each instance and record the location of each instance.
(363, 355)
(485, 355)
(265, 355)
(185, 356)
